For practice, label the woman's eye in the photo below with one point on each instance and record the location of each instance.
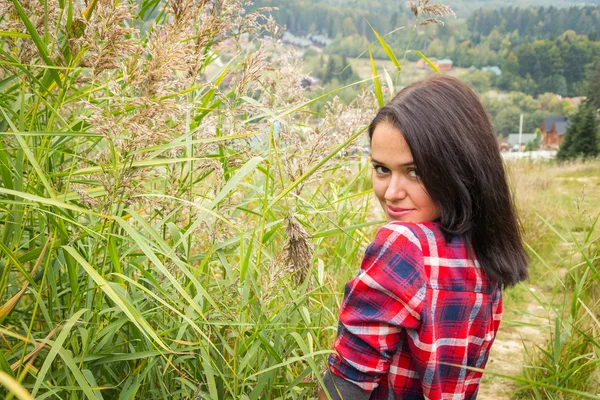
(413, 173)
(380, 169)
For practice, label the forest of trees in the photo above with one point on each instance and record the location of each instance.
(532, 66)
(539, 50)
(543, 22)
(337, 20)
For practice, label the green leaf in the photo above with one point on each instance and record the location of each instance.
(14, 387)
(31, 157)
(50, 202)
(387, 49)
(432, 65)
(4, 366)
(232, 184)
(14, 34)
(54, 350)
(124, 305)
(376, 83)
(315, 167)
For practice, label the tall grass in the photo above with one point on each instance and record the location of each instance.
(560, 207)
(173, 226)
(164, 233)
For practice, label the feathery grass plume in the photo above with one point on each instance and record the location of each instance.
(432, 11)
(44, 17)
(307, 146)
(252, 72)
(297, 251)
(105, 40)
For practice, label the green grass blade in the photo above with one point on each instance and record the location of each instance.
(314, 168)
(232, 184)
(30, 157)
(57, 134)
(376, 82)
(123, 304)
(432, 65)
(56, 346)
(149, 252)
(386, 48)
(14, 34)
(14, 387)
(291, 360)
(50, 202)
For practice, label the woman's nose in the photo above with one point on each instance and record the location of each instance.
(396, 189)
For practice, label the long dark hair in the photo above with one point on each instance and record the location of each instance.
(456, 153)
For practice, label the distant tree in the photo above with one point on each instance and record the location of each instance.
(506, 121)
(528, 85)
(554, 84)
(535, 143)
(451, 46)
(587, 145)
(348, 27)
(510, 72)
(478, 80)
(527, 56)
(329, 70)
(435, 49)
(347, 73)
(581, 139)
(495, 39)
(593, 88)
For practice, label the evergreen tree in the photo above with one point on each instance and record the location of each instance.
(593, 90)
(329, 70)
(581, 139)
(567, 147)
(347, 72)
(587, 145)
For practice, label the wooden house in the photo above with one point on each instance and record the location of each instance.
(553, 131)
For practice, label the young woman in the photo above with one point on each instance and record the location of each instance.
(419, 319)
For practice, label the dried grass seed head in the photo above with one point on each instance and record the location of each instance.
(297, 249)
(431, 10)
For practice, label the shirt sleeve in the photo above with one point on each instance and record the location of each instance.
(386, 297)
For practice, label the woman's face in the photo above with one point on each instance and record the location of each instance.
(396, 180)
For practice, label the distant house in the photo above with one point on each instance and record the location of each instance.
(513, 140)
(493, 69)
(442, 65)
(295, 40)
(553, 131)
(319, 40)
(503, 145)
(421, 64)
(445, 64)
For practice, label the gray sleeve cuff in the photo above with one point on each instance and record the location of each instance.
(341, 389)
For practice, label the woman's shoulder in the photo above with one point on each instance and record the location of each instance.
(421, 234)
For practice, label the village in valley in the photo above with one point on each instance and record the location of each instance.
(541, 140)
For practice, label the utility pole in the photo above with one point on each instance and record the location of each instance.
(521, 132)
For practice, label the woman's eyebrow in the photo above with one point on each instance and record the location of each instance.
(406, 164)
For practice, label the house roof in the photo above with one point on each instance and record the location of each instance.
(494, 69)
(513, 138)
(562, 126)
(549, 121)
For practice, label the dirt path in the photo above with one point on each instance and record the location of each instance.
(520, 329)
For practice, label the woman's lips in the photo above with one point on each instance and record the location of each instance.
(395, 212)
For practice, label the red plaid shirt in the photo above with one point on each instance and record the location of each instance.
(418, 305)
